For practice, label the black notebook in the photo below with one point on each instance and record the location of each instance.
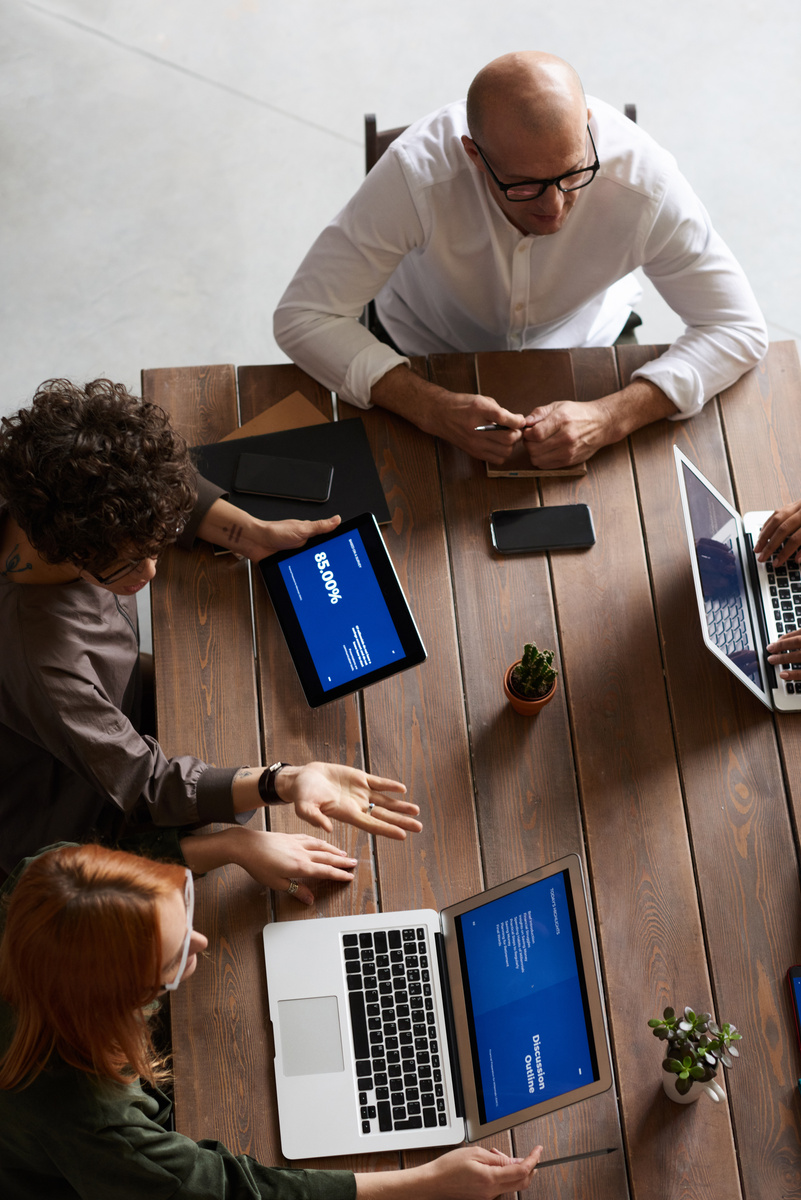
(356, 486)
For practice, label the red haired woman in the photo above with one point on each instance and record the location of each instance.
(92, 936)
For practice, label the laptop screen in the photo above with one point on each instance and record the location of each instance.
(713, 530)
(526, 996)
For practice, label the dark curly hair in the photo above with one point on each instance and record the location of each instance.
(92, 474)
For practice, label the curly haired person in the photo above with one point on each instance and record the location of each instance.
(94, 483)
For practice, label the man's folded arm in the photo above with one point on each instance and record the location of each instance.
(317, 322)
(725, 333)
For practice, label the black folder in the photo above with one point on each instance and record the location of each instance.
(356, 486)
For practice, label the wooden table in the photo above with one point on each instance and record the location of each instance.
(678, 788)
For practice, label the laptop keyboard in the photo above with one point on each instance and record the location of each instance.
(784, 586)
(725, 620)
(393, 1020)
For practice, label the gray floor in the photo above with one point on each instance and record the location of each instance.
(166, 163)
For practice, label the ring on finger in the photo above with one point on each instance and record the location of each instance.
(293, 887)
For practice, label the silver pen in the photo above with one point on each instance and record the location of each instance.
(488, 428)
(552, 1162)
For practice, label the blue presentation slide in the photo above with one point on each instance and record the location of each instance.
(343, 615)
(528, 1009)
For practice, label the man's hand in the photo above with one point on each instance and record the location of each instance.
(457, 420)
(784, 526)
(226, 525)
(326, 792)
(566, 432)
(450, 415)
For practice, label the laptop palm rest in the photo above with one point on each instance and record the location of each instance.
(311, 1042)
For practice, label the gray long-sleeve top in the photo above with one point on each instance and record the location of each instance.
(71, 760)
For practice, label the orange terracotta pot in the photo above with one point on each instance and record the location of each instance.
(526, 708)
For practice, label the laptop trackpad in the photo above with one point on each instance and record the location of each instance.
(311, 1043)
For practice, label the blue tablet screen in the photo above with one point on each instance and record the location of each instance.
(526, 991)
(342, 613)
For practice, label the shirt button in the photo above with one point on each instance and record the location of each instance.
(518, 307)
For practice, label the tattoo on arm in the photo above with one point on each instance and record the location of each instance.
(247, 772)
(234, 533)
(12, 566)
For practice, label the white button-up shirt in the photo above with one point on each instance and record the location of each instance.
(424, 237)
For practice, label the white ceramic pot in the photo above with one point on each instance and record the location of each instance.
(710, 1086)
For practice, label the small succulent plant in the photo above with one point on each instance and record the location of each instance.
(696, 1046)
(533, 676)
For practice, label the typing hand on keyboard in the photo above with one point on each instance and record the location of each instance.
(780, 536)
(785, 652)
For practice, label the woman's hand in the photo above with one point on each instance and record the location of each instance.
(273, 859)
(783, 526)
(326, 792)
(469, 1173)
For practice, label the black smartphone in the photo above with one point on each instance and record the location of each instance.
(794, 980)
(562, 527)
(290, 478)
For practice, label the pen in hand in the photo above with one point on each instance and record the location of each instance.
(488, 428)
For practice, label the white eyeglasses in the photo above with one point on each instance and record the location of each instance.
(189, 900)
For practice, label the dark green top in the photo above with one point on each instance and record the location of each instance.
(68, 1134)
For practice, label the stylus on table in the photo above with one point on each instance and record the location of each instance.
(488, 428)
(552, 1162)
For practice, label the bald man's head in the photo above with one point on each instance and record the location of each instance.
(537, 93)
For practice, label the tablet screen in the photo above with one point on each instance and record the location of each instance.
(342, 611)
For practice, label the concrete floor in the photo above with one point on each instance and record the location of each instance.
(165, 165)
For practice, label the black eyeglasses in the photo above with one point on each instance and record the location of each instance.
(532, 189)
(120, 573)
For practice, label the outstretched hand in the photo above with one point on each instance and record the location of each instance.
(327, 792)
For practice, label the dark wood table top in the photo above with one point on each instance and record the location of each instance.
(679, 790)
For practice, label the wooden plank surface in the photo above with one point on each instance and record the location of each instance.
(415, 723)
(524, 771)
(682, 788)
(651, 935)
(206, 705)
(298, 734)
(735, 796)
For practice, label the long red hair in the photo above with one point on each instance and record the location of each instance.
(80, 961)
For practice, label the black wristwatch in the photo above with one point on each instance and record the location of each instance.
(267, 783)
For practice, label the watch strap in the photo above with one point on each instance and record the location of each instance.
(267, 783)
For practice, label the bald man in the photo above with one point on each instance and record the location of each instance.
(514, 221)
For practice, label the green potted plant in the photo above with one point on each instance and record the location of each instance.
(695, 1048)
(530, 682)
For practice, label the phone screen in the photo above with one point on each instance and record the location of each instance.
(560, 527)
(292, 478)
(794, 980)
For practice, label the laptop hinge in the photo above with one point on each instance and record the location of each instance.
(450, 1028)
(756, 588)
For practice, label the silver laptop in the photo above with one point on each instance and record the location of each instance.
(744, 604)
(416, 1029)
